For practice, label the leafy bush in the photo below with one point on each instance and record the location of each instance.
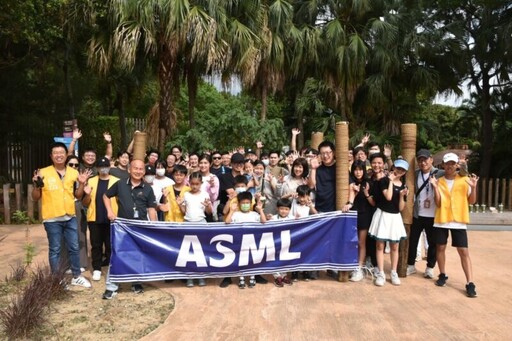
(20, 217)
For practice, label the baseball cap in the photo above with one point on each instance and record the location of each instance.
(450, 157)
(237, 158)
(423, 153)
(150, 170)
(401, 163)
(250, 151)
(103, 162)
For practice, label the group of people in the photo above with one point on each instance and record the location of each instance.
(252, 186)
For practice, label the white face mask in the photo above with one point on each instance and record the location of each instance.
(160, 172)
(149, 178)
(240, 190)
(104, 171)
(265, 162)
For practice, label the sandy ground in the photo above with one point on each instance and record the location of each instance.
(329, 310)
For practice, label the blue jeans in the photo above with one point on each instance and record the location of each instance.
(68, 230)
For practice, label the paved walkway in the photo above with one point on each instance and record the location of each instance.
(329, 310)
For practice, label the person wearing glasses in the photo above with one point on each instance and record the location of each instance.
(218, 167)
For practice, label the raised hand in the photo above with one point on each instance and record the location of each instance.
(387, 150)
(472, 180)
(314, 163)
(295, 131)
(77, 133)
(84, 175)
(365, 139)
(259, 145)
(107, 137)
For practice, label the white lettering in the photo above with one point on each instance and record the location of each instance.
(249, 246)
(285, 253)
(197, 254)
(229, 255)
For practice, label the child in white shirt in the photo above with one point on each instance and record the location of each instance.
(283, 212)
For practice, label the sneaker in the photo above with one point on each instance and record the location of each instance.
(82, 269)
(202, 282)
(137, 288)
(306, 276)
(225, 282)
(429, 273)
(252, 282)
(260, 279)
(278, 282)
(96, 275)
(241, 283)
(380, 280)
(295, 276)
(68, 272)
(394, 278)
(109, 294)
(190, 283)
(441, 281)
(470, 289)
(81, 281)
(357, 275)
(411, 269)
(287, 281)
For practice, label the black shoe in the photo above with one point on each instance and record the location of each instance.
(305, 276)
(137, 288)
(109, 294)
(168, 280)
(333, 274)
(313, 275)
(241, 283)
(260, 279)
(295, 276)
(470, 289)
(441, 282)
(225, 282)
(252, 283)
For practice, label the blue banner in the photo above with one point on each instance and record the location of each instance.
(149, 251)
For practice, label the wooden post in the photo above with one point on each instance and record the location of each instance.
(503, 192)
(7, 204)
(496, 193)
(30, 202)
(484, 191)
(510, 194)
(489, 193)
(342, 182)
(316, 139)
(408, 147)
(139, 146)
(17, 191)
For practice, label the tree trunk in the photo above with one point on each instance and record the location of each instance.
(122, 119)
(264, 97)
(487, 132)
(165, 69)
(192, 82)
(67, 78)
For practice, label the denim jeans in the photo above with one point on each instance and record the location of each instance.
(109, 285)
(68, 230)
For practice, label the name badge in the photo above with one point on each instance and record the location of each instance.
(426, 203)
(135, 213)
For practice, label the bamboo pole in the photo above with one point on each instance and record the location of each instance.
(139, 146)
(30, 202)
(484, 191)
(316, 139)
(496, 193)
(408, 147)
(7, 204)
(489, 193)
(342, 174)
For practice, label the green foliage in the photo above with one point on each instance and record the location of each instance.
(20, 217)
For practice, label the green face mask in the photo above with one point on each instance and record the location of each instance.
(245, 207)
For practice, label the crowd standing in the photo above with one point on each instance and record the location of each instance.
(252, 185)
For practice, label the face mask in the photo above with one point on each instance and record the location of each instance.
(245, 207)
(149, 178)
(104, 171)
(265, 162)
(240, 190)
(160, 172)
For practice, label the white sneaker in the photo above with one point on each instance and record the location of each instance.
(82, 269)
(357, 275)
(429, 273)
(96, 275)
(411, 269)
(68, 272)
(380, 280)
(394, 278)
(81, 281)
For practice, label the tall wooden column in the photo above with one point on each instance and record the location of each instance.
(342, 175)
(139, 146)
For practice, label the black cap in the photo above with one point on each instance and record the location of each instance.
(150, 170)
(237, 158)
(250, 151)
(103, 162)
(423, 153)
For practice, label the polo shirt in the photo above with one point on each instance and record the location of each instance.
(129, 200)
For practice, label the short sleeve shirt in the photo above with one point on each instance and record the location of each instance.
(133, 202)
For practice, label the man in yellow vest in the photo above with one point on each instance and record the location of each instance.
(57, 186)
(97, 219)
(453, 193)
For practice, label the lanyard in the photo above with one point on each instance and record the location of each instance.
(427, 185)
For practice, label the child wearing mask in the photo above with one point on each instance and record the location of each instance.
(241, 184)
(241, 212)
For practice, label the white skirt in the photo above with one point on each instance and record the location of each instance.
(387, 227)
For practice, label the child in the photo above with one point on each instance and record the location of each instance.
(172, 211)
(241, 212)
(302, 206)
(194, 204)
(387, 224)
(283, 212)
(240, 186)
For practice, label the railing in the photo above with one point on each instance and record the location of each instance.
(495, 192)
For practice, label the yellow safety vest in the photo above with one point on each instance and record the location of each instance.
(454, 204)
(93, 182)
(57, 195)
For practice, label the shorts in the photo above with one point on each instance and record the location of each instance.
(459, 236)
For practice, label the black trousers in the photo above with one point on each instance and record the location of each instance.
(100, 237)
(418, 225)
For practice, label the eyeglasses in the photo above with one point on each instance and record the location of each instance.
(71, 164)
(326, 153)
(216, 157)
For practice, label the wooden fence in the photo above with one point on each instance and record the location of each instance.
(491, 192)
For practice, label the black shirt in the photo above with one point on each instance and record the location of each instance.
(101, 211)
(226, 181)
(326, 188)
(132, 201)
(119, 173)
(385, 205)
(219, 171)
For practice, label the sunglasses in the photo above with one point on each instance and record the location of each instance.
(71, 164)
(216, 157)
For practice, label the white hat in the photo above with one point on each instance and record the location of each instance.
(450, 157)
(401, 163)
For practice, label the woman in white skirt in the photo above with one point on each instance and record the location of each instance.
(387, 224)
